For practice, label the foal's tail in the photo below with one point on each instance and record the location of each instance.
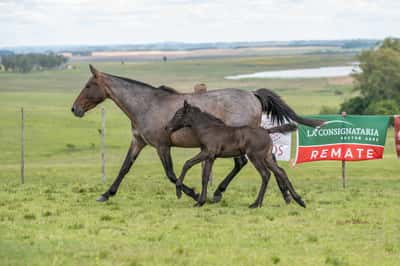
(279, 111)
(282, 129)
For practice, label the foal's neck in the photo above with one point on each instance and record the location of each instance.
(202, 120)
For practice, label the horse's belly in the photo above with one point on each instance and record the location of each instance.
(184, 138)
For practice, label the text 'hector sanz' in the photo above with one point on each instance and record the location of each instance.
(352, 138)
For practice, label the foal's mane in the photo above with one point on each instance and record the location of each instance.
(132, 81)
(206, 117)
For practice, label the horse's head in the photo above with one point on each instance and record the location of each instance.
(91, 95)
(180, 119)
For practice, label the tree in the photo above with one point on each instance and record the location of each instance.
(28, 62)
(379, 80)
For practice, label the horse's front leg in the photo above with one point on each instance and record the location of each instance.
(137, 145)
(164, 152)
(201, 156)
(204, 182)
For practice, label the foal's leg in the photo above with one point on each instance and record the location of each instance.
(282, 185)
(265, 175)
(188, 164)
(137, 145)
(239, 163)
(204, 182)
(280, 172)
(164, 152)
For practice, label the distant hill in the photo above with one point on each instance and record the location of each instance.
(5, 52)
(182, 46)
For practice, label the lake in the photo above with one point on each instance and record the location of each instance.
(320, 72)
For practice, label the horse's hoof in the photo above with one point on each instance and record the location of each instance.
(288, 199)
(102, 198)
(217, 198)
(196, 196)
(255, 205)
(199, 204)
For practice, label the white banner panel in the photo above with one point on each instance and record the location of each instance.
(282, 142)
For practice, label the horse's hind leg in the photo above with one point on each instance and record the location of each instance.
(188, 164)
(137, 145)
(280, 173)
(164, 152)
(282, 185)
(265, 175)
(239, 163)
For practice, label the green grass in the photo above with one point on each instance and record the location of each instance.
(53, 218)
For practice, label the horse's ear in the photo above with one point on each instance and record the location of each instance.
(94, 71)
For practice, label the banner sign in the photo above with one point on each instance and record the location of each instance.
(397, 134)
(282, 142)
(349, 138)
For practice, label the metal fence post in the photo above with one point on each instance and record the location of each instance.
(22, 146)
(103, 148)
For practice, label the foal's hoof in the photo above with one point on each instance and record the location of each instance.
(255, 205)
(102, 198)
(217, 198)
(178, 192)
(300, 202)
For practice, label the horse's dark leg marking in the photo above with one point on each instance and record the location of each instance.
(282, 185)
(136, 146)
(271, 164)
(188, 164)
(239, 163)
(204, 181)
(164, 153)
(265, 175)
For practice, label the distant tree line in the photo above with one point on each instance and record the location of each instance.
(378, 83)
(27, 62)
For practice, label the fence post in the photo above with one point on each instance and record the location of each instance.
(103, 148)
(22, 146)
(344, 163)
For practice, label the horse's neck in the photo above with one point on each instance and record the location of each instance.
(132, 99)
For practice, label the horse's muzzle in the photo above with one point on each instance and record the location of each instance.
(77, 111)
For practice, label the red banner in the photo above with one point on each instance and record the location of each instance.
(397, 134)
(339, 152)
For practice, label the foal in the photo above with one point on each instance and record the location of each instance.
(220, 140)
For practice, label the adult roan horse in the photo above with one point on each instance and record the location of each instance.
(149, 110)
(220, 140)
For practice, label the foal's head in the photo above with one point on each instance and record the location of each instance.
(190, 116)
(91, 95)
(182, 118)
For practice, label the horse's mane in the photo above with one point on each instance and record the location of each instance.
(162, 87)
(207, 116)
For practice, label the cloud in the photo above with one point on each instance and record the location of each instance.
(40, 22)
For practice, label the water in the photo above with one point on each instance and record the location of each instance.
(321, 72)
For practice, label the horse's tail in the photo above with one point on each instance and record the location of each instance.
(282, 129)
(274, 106)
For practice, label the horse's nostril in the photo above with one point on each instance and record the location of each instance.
(73, 109)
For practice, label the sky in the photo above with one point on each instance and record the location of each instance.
(94, 22)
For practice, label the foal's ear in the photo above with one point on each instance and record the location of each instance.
(94, 71)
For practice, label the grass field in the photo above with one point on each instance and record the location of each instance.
(53, 218)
